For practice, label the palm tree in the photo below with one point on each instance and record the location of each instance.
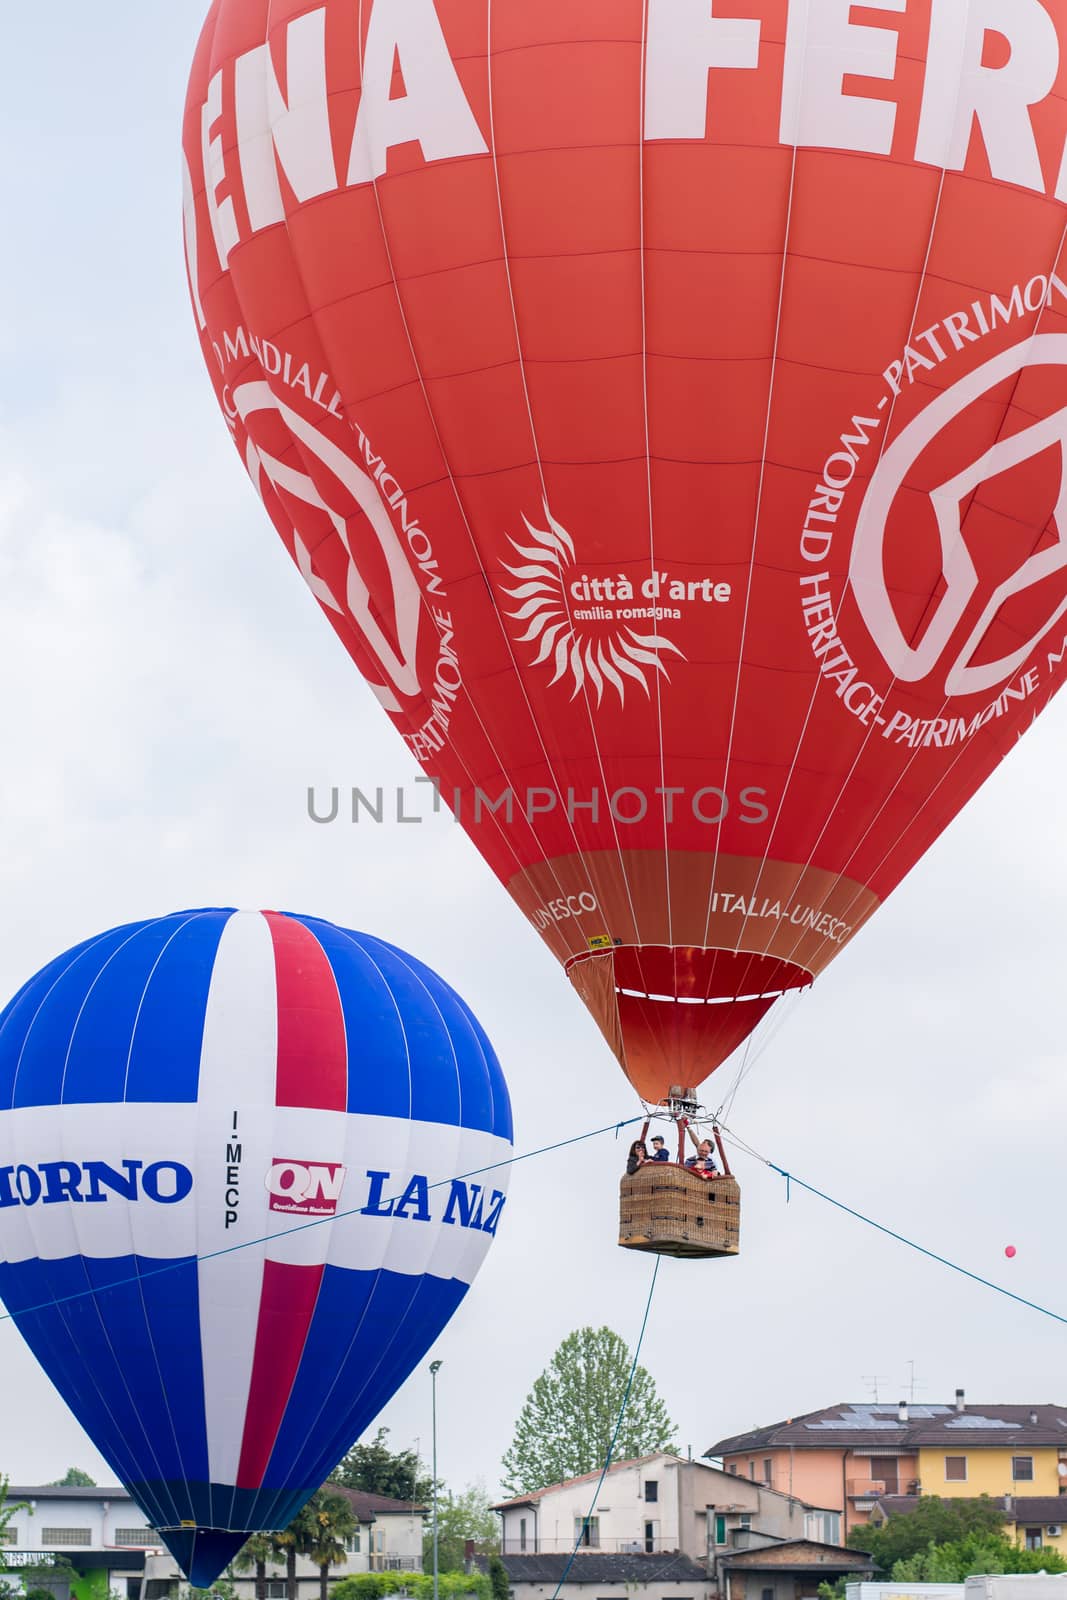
(332, 1523)
(256, 1553)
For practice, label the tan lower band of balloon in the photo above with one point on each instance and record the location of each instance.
(800, 914)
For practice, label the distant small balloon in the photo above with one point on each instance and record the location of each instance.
(1009, 1251)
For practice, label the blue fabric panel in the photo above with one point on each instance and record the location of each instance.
(370, 1329)
(165, 1052)
(125, 1358)
(34, 1041)
(501, 1122)
(19, 1012)
(437, 1069)
(99, 1048)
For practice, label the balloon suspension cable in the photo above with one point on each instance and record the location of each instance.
(791, 1179)
(182, 1263)
(605, 1469)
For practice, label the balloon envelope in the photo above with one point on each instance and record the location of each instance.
(666, 409)
(228, 1222)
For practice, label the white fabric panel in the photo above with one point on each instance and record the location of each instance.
(238, 1068)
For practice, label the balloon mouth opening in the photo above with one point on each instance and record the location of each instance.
(203, 1554)
(673, 1013)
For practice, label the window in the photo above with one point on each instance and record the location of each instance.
(587, 1532)
(522, 1533)
(381, 1543)
(9, 1536)
(733, 1468)
(1033, 1538)
(133, 1589)
(275, 1589)
(81, 1537)
(744, 1521)
(650, 1538)
(352, 1543)
(1022, 1468)
(720, 1530)
(752, 1469)
(652, 1489)
(823, 1526)
(767, 1594)
(768, 1472)
(136, 1536)
(955, 1469)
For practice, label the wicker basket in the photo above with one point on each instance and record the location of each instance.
(674, 1212)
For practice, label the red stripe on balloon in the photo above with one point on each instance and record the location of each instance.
(286, 1307)
(312, 1049)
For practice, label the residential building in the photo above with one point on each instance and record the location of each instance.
(600, 1575)
(82, 1544)
(387, 1538)
(655, 1504)
(849, 1456)
(1039, 1522)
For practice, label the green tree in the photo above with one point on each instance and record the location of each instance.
(568, 1419)
(461, 1517)
(376, 1469)
(255, 1555)
(75, 1478)
(295, 1540)
(976, 1552)
(331, 1523)
(934, 1521)
(498, 1578)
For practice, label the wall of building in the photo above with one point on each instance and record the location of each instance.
(817, 1476)
(681, 1590)
(621, 1517)
(989, 1471)
(102, 1517)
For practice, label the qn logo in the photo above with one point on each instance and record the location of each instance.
(397, 656)
(305, 1188)
(908, 660)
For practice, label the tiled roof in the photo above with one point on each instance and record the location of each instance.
(53, 1491)
(368, 1506)
(587, 1477)
(852, 1426)
(597, 1567)
(843, 1558)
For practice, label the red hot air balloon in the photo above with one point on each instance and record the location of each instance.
(665, 401)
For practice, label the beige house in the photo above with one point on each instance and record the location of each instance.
(658, 1505)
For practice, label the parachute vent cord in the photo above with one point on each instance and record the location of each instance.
(316, 1222)
(618, 1427)
(890, 1233)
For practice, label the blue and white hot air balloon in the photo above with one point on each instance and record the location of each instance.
(233, 1210)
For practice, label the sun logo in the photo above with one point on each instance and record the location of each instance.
(612, 656)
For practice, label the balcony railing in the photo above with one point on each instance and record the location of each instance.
(866, 1488)
(382, 1562)
(603, 1546)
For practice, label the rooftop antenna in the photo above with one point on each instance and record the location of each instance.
(913, 1382)
(872, 1383)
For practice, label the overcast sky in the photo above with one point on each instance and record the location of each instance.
(171, 691)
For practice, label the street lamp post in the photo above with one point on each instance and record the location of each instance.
(435, 1367)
